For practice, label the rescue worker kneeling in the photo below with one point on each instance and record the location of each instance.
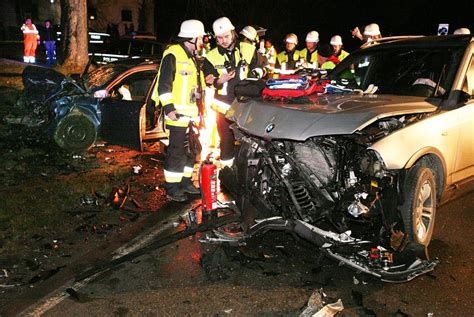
(177, 90)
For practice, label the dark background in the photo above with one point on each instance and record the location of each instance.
(327, 17)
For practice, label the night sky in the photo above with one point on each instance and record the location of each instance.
(327, 17)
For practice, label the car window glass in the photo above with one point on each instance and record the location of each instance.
(136, 85)
(137, 48)
(404, 71)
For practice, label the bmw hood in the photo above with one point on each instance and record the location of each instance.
(325, 115)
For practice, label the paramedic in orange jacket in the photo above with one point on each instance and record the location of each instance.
(30, 41)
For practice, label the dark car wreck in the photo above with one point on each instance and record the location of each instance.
(360, 174)
(112, 102)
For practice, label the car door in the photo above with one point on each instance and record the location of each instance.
(124, 111)
(464, 163)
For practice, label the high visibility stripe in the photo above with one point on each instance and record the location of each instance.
(227, 163)
(188, 171)
(219, 106)
(173, 177)
(166, 98)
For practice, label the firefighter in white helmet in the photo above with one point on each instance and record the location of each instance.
(371, 33)
(310, 53)
(290, 56)
(336, 42)
(462, 31)
(249, 35)
(225, 66)
(178, 86)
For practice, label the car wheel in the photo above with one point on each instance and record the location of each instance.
(75, 132)
(419, 209)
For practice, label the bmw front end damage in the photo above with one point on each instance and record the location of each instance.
(333, 191)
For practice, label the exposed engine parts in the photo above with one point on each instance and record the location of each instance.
(334, 192)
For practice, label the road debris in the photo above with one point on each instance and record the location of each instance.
(317, 306)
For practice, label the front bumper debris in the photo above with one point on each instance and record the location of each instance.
(359, 255)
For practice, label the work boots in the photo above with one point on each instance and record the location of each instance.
(188, 187)
(175, 192)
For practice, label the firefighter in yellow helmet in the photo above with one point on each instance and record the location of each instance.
(336, 42)
(290, 56)
(177, 89)
(310, 53)
(225, 66)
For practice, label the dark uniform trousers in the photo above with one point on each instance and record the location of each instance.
(176, 159)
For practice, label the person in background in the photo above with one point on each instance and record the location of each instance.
(462, 31)
(310, 53)
(290, 56)
(48, 37)
(269, 54)
(336, 42)
(178, 83)
(31, 40)
(326, 58)
(224, 67)
(371, 33)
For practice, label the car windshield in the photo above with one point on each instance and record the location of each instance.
(101, 76)
(403, 71)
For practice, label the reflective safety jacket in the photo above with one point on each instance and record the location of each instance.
(242, 59)
(312, 59)
(343, 54)
(290, 61)
(182, 92)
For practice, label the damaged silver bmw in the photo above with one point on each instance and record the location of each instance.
(360, 168)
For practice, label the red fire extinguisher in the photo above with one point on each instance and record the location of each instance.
(208, 184)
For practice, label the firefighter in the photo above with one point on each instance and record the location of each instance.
(31, 40)
(326, 58)
(249, 35)
(177, 88)
(310, 53)
(371, 33)
(290, 56)
(336, 42)
(225, 66)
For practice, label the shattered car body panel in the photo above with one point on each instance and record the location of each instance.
(361, 176)
(113, 102)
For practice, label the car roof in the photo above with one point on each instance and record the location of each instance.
(420, 41)
(132, 62)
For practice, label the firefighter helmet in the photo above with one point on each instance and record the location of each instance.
(462, 31)
(372, 29)
(191, 29)
(312, 36)
(291, 38)
(336, 40)
(250, 33)
(222, 26)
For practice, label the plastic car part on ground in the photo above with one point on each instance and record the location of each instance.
(356, 254)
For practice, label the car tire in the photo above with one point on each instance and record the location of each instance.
(75, 132)
(419, 208)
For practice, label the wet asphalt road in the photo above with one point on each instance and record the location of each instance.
(275, 277)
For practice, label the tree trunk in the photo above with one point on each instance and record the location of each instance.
(74, 36)
(149, 9)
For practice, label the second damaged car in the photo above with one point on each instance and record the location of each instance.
(112, 102)
(361, 168)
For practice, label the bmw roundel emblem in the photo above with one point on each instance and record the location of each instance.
(270, 127)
